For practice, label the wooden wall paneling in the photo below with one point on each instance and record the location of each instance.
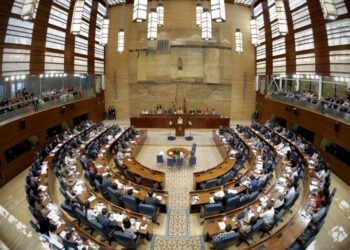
(37, 124)
(91, 44)
(5, 10)
(320, 38)
(268, 38)
(290, 42)
(321, 125)
(69, 45)
(37, 52)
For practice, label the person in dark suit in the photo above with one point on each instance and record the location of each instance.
(150, 200)
(106, 222)
(69, 242)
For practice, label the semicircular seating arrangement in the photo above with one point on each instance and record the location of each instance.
(83, 212)
(299, 197)
(269, 180)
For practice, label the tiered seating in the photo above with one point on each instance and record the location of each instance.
(239, 186)
(77, 194)
(313, 179)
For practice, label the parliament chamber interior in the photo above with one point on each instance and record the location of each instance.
(175, 124)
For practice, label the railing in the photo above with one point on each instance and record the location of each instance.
(57, 101)
(320, 107)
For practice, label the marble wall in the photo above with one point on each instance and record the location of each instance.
(213, 75)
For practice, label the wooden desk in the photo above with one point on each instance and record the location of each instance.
(214, 172)
(171, 152)
(162, 121)
(144, 171)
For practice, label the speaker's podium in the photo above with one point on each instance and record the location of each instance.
(179, 127)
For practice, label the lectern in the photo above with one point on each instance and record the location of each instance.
(180, 128)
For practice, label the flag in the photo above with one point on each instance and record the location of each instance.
(175, 104)
(184, 106)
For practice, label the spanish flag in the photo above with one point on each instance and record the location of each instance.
(175, 104)
(184, 106)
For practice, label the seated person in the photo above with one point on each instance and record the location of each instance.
(228, 232)
(106, 222)
(151, 200)
(246, 226)
(130, 192)
(90, 214)
(253, 183)
(55, 239)
(316, 217)
(127, 228)
(319, 199)
(268, 215)
(70, 243)
(291, 193)
(279, 202)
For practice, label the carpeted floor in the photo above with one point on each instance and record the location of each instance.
(179, 182)
(177, 243)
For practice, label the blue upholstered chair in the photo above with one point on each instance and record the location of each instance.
(82, 217)
(256, 227)
(194, 147)
(130, 203)
(125, 240)
(192, 161)
(226, 241)
(267, 228)
(160, 159)
(170, 162)
(69, 210)
(232, 203)
(211, 209)
(209, 184)
(227, 177)
(101, 231)
(150, 210)
(179, 162)
(115, 196)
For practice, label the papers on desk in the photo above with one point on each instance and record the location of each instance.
(117, 217)
(313, 188)
(53, 216)
(42, 188)
(219, 194)
(144, 227)
(195, 198)
(92, 198)
(314, 183)
(99, 207)
(263, 199)
(282, 181)
(137, 225)
(105, 173)
(222, 225)
(99, 166)
(232, 191)
(159, 197)
(259, 166)
(311, 162)
(246, 183)
(211, 200)
(259, 209)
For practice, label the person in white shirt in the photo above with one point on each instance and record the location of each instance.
(290, 194)
(54, 238)
(90, 214)
(268, 215)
